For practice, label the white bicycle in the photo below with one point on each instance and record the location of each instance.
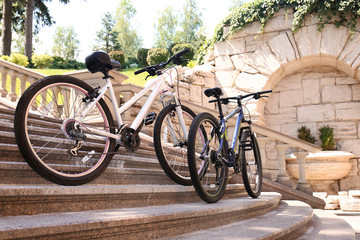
(66, 132)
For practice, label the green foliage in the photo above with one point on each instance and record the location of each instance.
(118, 56)
(42, 60)
(107, 37)
(180, 47)
(61, 63)
(305, 134)
(141, 56)
(17, 58)
(66, 43)
(157, 55)
(132, 63)
(165, 28)
(327, 137)
(340, 12)
(128, 38)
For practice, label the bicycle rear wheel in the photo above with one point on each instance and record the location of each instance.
(53, 136)
(208, 173)
(171, 144)
(250, 161)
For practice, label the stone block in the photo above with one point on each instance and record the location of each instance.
(351, 49)
(315, 113)
(343, 129)
(272, 106)
(264, 60)
(230, 47)
(308, 40)
(281, 22)
(250, 82)
(327, 81)
(354, 194)
(224, 63)
(355, 92)
(255, 42)
(350, 205)
(292, 82)
(333, 39)
(239, 61)
(195, 94)
(330, 206)
(226, 78)
(280, 119)
(336, 93)
(291, 98)
(348, 111)
(332, 199)
(350, 145)
(346, 80)
(321, 195)
(311, 91)
(282, 48)
(249, 69)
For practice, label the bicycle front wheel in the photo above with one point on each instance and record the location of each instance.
(53, 135)
(250, 161)
(171, 143)
(208, 172)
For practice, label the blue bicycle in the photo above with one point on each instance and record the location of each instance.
(210, 156)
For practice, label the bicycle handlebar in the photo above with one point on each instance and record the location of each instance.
(153, 69)
(256, 95)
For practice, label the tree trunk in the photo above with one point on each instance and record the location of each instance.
(29, 28)
(6, 28)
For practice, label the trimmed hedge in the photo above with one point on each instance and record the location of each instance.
(157, 55)
(118, 56)
(17, 58)
(141, 56)
(42, 60)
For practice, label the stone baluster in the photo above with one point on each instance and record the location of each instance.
(262, 148)
(23, 79)
(12, 94)
(4, 73)
(127, 95)
(302, 183)
(283, 176)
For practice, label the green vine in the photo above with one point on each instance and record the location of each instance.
(346, 12)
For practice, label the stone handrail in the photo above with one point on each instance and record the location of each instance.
(10, 72)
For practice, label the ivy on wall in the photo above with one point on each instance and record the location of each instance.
(340, 12)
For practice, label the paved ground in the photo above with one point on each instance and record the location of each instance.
(353, 218)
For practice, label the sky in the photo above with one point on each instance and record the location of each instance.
(85, 16)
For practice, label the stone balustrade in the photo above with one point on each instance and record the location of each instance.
(11, 76)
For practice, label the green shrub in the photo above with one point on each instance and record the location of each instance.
(141, 56)
(304, 134)
(17, 58)
(60, 63)
(327, 137)
(157, 55)
(42, 60)
(118, 56)
(179, 47)
(132, 62)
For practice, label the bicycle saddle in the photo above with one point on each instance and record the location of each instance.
(100, 61)
(213, 92)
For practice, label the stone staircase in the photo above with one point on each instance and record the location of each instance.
(134, 199)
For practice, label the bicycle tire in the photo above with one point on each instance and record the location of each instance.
(46, 133)
(208, 173)
(250, 161)
(168, 131)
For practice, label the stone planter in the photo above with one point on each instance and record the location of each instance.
(323, 169)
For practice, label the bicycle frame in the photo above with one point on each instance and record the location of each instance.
(153, 84)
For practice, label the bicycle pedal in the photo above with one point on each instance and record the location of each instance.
(150, 118)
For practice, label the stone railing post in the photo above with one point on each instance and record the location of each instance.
(127, 95)
(12, 94)
(4, 72)
(302, 183)
(283, 176)
(262, 147)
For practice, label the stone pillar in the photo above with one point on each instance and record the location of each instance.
(262, 148)
(302, 183)
(4, 72)
(283, 176)
(12, 94)
(127, 114)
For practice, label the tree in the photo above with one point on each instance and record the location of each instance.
(165, 29)
(128, 38)
(66, 44)
(107, 37)
(6, 36)
(191, 24)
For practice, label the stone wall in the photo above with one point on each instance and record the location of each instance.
(314, 75)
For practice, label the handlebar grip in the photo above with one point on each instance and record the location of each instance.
(140, 71)
(264, 92)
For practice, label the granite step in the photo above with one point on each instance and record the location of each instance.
(288, 221)
(39, 199)
(137, 223)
